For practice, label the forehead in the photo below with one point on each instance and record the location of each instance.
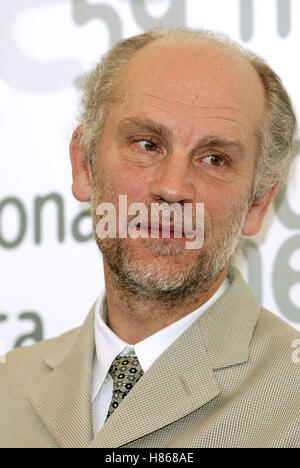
(192, 81)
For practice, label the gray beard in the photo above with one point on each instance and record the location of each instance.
(131, 275)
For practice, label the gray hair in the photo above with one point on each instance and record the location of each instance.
(276, 138)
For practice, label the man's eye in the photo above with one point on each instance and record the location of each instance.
(147, 145)
(214, 160)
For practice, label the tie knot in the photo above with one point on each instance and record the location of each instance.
(125, 371)
(127, 367)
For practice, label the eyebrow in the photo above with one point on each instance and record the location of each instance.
(132, 125)
(212, 140)
(141, 125)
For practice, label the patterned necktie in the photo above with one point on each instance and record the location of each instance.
(125, 371)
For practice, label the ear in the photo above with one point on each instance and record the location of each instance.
(80, 173)
(257, 212)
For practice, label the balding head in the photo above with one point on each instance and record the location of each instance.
(199, 73)
(276, 132)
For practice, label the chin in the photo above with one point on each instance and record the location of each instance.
(165, 248)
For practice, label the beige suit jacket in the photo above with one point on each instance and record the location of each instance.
(228, 381)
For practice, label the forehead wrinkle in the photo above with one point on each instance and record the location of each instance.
(199, 117)
(193, 105)
(219, 118)
(161, 108)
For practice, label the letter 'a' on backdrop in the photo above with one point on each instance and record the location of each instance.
(51, 270)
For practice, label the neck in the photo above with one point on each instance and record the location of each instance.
(134, 318)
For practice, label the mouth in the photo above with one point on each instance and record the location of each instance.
(165, 232)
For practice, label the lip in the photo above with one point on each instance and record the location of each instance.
(158, 233)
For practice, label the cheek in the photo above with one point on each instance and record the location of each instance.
(129, 182)
(223, 205)
(120, 178)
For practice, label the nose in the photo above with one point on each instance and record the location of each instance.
(172, 183)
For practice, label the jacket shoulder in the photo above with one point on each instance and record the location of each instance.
(25, 366)
(274, 344)
(276, 326)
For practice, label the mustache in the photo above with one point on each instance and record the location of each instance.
(166, 216)
(178, 219)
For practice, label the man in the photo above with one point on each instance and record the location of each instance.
(178, 353)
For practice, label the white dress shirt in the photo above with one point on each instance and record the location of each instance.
(109, 346)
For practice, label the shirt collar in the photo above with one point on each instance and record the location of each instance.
(109, 345)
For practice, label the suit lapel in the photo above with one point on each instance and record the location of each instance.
(228, 325)
(63, 398)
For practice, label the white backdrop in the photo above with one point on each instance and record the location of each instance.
(51, 271)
